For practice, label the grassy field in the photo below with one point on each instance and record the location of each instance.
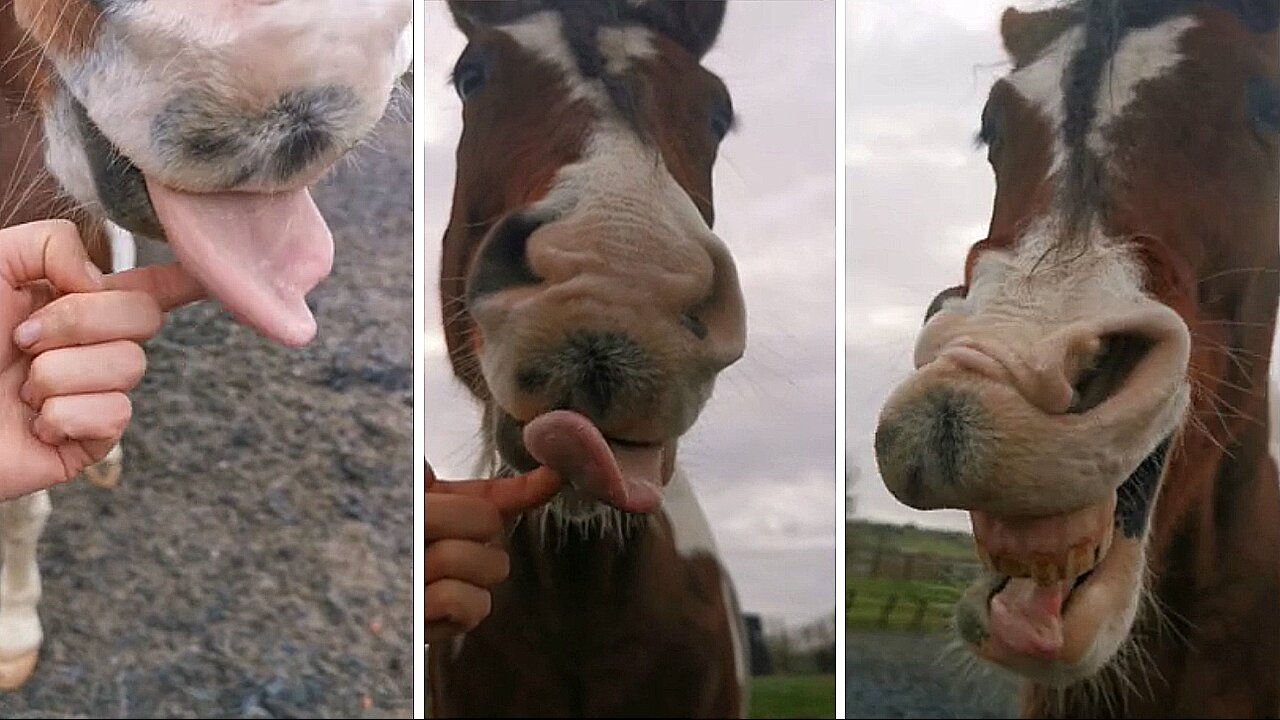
(909, 538)
(919, 606)
(793, 696)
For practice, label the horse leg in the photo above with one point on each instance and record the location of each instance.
(124, 252)
(21, 523)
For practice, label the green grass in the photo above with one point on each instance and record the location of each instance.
(867, 598)
(793, 696)
(909, 538)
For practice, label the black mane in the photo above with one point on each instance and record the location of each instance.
(1106, 23)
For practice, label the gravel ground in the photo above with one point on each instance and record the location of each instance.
(257, 559)
(902, 675)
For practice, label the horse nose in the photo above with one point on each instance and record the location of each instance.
(592, 372)
(995, 424)
(615, 276)
(932, 449)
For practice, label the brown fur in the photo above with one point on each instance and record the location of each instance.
(28, 192)
(65, 27)
(1201, 206)
(595, 629)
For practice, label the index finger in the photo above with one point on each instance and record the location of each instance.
(512, 495)
(170, 285)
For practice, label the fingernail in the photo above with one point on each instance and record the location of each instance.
(93, 272)
(27, 333)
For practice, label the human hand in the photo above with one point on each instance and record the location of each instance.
(464, 554)
(70, 351)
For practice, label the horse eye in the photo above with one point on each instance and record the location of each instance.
(1264, 105)
(958, 291)
(721, 120)
(469, 77)
(989, 133)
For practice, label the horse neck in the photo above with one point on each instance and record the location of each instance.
(573, 562)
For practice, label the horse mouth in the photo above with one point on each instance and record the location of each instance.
(257, 253)
(1060, 593)
(597, 469)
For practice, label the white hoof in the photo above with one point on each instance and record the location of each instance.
(15, 670)
(107, 472)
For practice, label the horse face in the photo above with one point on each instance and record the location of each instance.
(580, 272)
(173, 117)
(1052, 387)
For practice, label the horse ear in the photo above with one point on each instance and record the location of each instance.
(695, 24)
(1260, 16)
(1026, 34)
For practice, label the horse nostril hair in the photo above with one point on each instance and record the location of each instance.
(590, 372)
(502, 261)
(1119, 354)
(694, 325)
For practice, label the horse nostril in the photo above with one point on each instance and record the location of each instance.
(502, 261)
(1118, 355)
(694, 325)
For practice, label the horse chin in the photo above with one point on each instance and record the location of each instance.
(1060, 595)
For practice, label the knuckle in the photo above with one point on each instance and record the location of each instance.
(65, 317)
(41, 373)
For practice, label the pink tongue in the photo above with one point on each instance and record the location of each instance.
(629, 478)
(1027, 617)
(258, 254)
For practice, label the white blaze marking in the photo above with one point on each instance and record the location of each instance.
(620, 45)
(1143, 55)
(543, 35)
(1040, 83)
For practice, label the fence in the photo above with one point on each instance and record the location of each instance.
(902, 590)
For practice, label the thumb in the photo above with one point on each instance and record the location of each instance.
(512, 495)
(47, 250)
(170, 285)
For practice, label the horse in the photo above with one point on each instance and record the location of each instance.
(1095, 393)
(587, 304)
(198, 124)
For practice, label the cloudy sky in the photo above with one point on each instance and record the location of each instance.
(762, 457)
(919, 194)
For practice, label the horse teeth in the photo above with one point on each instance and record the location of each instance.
(1045, 571)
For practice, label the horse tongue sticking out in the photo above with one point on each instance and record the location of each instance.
(627, 477)
(259, 254)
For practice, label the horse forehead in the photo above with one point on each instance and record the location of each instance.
(544, 35)
(1141, 55)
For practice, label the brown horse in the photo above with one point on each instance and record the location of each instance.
(589, 306)
(1096, 393)
(200, 124)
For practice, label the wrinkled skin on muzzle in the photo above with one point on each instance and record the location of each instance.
(1043, 403)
